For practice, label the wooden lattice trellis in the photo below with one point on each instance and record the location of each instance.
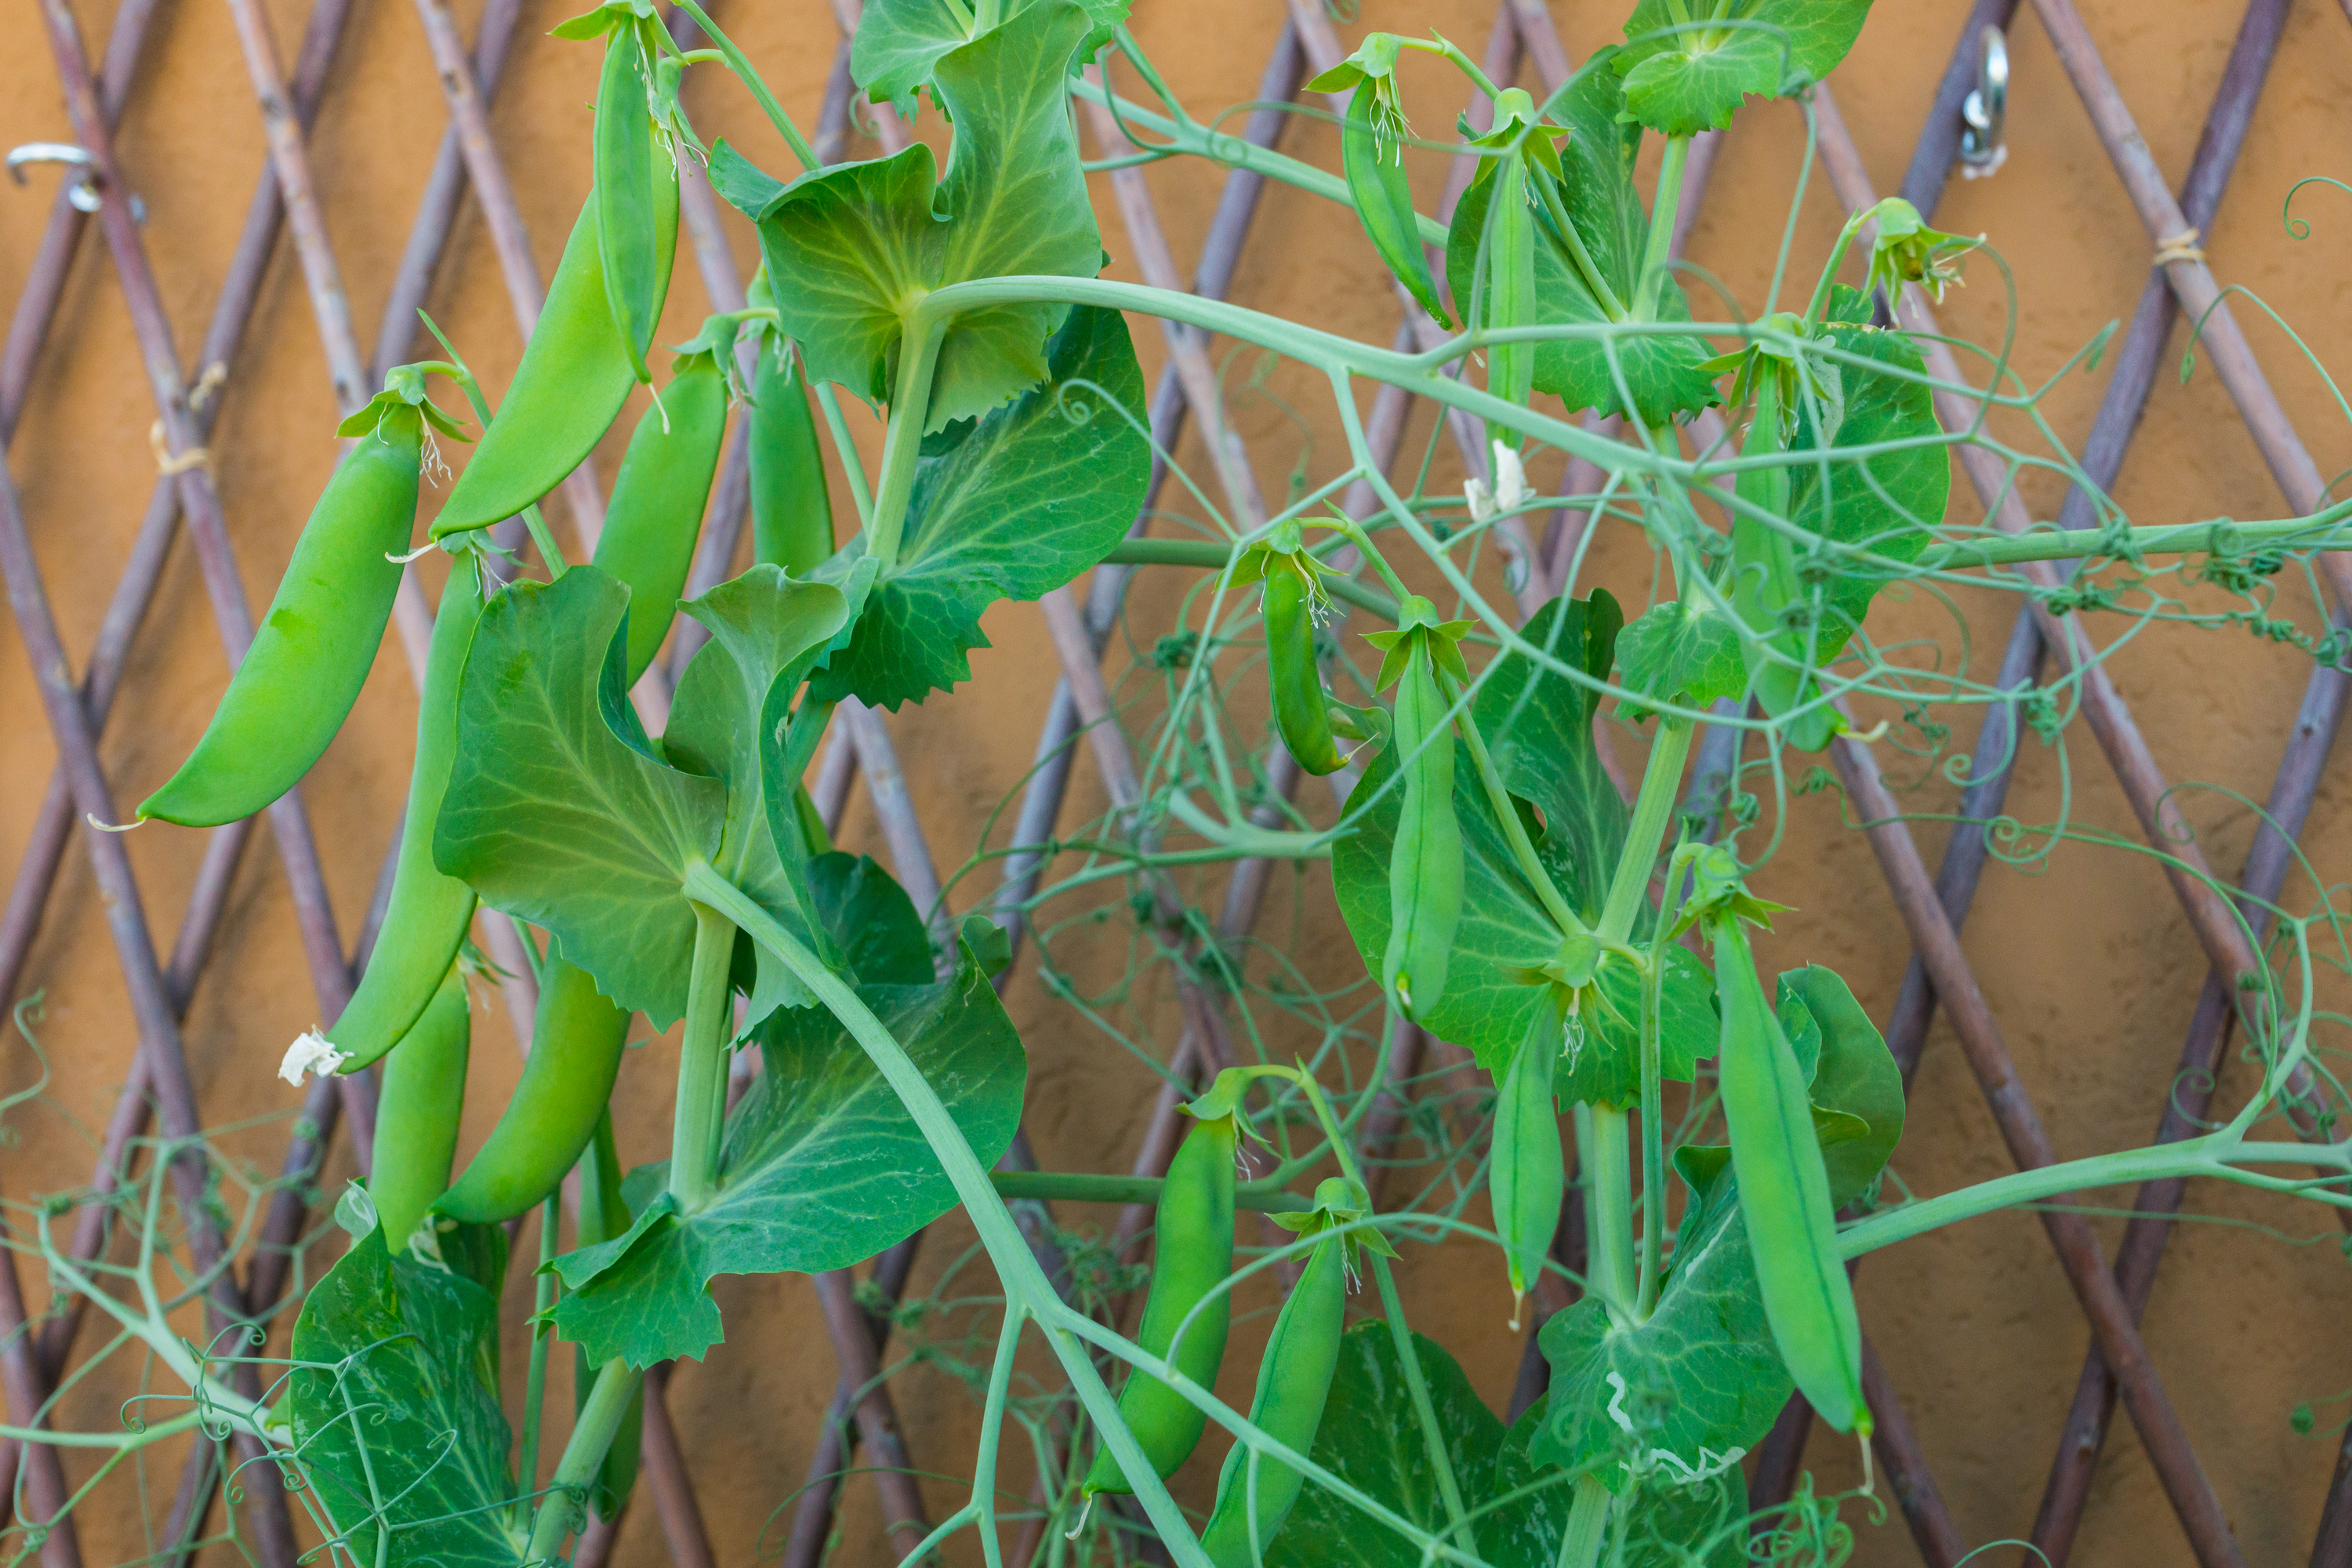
(2111, 1293)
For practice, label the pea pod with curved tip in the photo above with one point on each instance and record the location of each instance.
(1302, 710)
(603, 1216)
(1371, 156)
(417, 1118)
(424, 923)
(575, 375)
(1193, 1253)
(295, 684)
(1294, 1380)
(1784, 1191)
(623, 155)
(658, 499)
(1527, 1177)
(792, 510)
(575, 1055)
(1425, 864)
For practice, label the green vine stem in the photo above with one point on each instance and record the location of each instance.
(700, 1117)
(741, 65)
(903, 442)
(591, 1434)
(542, 1331)
(1653, 1098)
(1507, 815)
(1653, 283)
(1265, 1196)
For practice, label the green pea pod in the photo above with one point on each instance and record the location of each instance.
(1373, 160)
(1784, 1191)
(575, 375)
(626, 242)
(1511, 284)
(1527, 1178)
(1302, 710)
(1292, 1381)
(1425, 865)
(575, 1055)
(792, 510)
(425, 921)
(416, 1116)
(297, 683)
(1194, 1253)
(603, 1215)
(658, 499)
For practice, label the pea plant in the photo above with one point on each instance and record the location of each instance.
(1590, 952)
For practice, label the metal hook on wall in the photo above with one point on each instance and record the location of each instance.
(83, 192)
(1982, 149)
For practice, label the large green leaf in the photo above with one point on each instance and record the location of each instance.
(899, 42)
(877, 926)
(1538, 725)
(1685, 1392)
(1666, 1526)
(1007, 506)
(559, 811)
(1596, 190)
(853, 249)
(395, 1405)
(1683, 650)
(821, 1166)
(1856, 1076)
(1692, 79)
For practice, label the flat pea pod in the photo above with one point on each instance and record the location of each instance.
(1302, 710)
(575, 375)
(1294, 1380)
(792, 510)
(623, 161)
(603, 1216)
(1193, 1254)
(1372, 158)
(416, 1116)
(1425, 865)
(658, 501)
(575, 1055)
(425, 921)
(1527, 1177)
(1511, 284)
(295, 684)
(1784, 1191)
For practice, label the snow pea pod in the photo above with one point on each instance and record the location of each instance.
(1529, 1178)
(1511, 285)
(575, 375)
(1784, 1191)
(659, 500)
(417, 1118)
(575, 1055)
(1371, 155)
(1302, 710)
(624, 163)
(1294, 1380)
(792, 510)
(1425, 865)
(295, 684)
(603, 1216)
(427, 919)
(1194, 1252)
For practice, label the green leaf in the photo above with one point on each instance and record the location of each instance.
(1687, 1390)
(1596, 189)
(822, 1167)
(559, 811)
(1858, 1077)
(397, 1416)
(879, 930)
(853, 249)
(1702, 1526)
(1370, 1439)
(1008, 507)
(1691, 80)
(900, 42)
(1684, 651)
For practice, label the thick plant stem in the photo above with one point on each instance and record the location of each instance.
(1662, 226)
(534, 1398)
(1653, 808)
(701, 1067)
(903, 443)
(599, 1418)
(1654, 1099)
(1603, 1150)
(1588, 1522)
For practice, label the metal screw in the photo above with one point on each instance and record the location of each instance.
(83, 192)
(1982, 150)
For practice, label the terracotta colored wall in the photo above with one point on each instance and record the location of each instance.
(2086, 963)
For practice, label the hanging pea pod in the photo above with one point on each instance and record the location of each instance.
(311, 654)
(575, 375)
(603, 1216)
(425, 921)
(791, 511)
(1193, 1253)
(1371, 155)
(1527, 1177)
(1784, 1190)
(575, 1055)
(1425, 863)
(663, 485)
(1294, 1381)
(1302, 709)
(417, 1118)
(628, 238)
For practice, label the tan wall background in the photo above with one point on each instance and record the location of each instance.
(2087, 963)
